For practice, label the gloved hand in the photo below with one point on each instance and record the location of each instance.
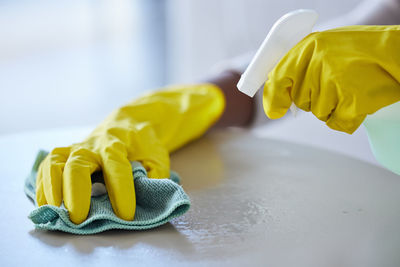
(340, 75)
(145, 130)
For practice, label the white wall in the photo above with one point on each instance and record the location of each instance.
(70, 62)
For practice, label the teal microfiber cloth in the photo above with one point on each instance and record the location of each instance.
(157, 202)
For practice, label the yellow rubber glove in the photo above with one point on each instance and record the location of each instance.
(340, 75)
(145, 130)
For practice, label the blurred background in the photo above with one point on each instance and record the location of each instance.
(69, 63)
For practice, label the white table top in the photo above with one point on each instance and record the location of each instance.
(255, 201)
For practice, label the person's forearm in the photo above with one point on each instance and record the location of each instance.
(239, 109)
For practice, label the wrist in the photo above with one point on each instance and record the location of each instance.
(239, 108)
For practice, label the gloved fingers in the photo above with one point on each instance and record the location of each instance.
(49, 177)
(40, 197)
(344, 118)
(379, 88)
(324, 101)
(342, 124)
(158, 164)
(146, 148)
(118, 178)
(349, 112)
(276, 97)
(290, 81)
(77, 184)
(52, 170)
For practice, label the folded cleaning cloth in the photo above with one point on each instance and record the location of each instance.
(157, 202)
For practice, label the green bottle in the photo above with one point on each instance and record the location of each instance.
(383, 129)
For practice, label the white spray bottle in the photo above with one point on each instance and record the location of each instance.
(287, 31)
